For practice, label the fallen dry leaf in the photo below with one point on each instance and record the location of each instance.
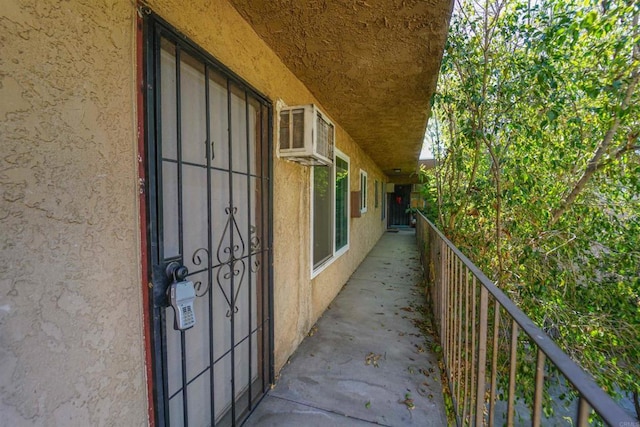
(408, 401)
(372, 359)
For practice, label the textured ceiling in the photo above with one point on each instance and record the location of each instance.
(372, 64)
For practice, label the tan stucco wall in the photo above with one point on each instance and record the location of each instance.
(71, 347)
(70, 302)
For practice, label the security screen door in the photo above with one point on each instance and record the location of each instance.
(209, 211)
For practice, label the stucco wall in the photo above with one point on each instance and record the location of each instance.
(71, 346)
(70, 317)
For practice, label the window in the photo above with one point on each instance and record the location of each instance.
(363, 191)
(342, 202)
(330, 211)
(322, 215)
(383, 211)
(376, 195)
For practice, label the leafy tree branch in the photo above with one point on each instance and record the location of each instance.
(596, 162)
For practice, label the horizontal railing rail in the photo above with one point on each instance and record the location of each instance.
(487, 359)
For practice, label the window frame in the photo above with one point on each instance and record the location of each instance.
(364, 184)
(375, 201)
(337, 153)
(331, 199)
(383, 211)
(315, 270)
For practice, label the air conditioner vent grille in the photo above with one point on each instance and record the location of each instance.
(298, 128)
(307, 136)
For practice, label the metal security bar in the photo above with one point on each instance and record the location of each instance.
(490, 348)
(209, 197)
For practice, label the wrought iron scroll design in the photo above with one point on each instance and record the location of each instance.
(255, 247)
(197, 260)
(230, 258)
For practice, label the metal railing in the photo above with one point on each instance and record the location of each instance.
(493, 353)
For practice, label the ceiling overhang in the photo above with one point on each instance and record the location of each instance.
(373, 65)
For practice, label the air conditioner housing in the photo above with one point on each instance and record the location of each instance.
(306, 136)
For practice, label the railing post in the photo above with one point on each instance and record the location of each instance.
(437, 247)
(537, 399)
(583, 412)
(482, 354)
(437, 275)
(467, 351)
(513, 364)
(448, 313)
(474, 306)
(459, 318)
(444, 318)
(494, 361)
(455, 318)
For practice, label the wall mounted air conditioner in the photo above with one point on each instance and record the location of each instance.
(306, 136)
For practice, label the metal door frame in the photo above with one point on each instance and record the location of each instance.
(152, 29)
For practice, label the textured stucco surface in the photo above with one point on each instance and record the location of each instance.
(70, 318)
(71, 345)
(373, 64)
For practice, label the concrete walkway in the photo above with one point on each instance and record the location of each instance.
(366, 362)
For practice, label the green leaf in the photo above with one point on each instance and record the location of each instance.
(552, 115)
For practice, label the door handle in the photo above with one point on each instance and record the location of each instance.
(176, 272)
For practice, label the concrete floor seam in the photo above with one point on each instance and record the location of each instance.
(330, 411)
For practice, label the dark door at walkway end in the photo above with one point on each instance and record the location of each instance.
(398, 202)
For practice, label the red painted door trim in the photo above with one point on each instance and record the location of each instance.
(142, 200)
